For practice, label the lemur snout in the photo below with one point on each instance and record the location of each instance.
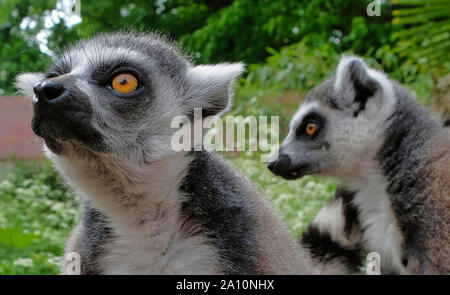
(62, 112)
(60, 100)
(283, 167)
(279, 164)
(49, 91)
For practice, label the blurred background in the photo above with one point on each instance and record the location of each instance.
(289, 47)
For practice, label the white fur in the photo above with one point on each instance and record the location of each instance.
(25, 83)
(382, 104)
(160, 248)
(161, 245)
(216, 73)
(361, 137)
(302, 112)
(331, 220)
(341, 70)
(215, 81)
(352, 140)
(381, 231)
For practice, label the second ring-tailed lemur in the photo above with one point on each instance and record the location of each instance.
(393, 161)
(104, 110)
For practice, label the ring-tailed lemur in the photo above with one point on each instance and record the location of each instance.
(104, 110)
(393, 160)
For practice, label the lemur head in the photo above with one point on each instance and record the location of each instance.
(339, 125)
(117, 94)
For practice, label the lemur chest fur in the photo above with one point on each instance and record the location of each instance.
(381, 232)
(144, 230)
(166, 245)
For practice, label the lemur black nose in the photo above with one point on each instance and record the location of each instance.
(283, 162)
(49, 90)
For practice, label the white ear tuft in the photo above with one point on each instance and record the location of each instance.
(343, 68)
(220, 72)
(211, 86)
(362, 87)
(25, 83)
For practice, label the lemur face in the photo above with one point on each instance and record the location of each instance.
(339, 126)
(120, 92)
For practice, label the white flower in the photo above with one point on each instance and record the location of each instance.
(6, 185)
(25, 262)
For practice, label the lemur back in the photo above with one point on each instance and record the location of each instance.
(393, 160)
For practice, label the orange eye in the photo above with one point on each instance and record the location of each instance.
(311, 128)
(124, 83)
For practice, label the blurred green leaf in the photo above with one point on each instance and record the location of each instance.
(15, 237)
(425, 35)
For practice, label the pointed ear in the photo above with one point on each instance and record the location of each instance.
(25, 83)
(355, 80)
(211, 87)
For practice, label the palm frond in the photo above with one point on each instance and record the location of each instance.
(425, 36)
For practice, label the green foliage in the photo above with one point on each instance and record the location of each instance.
(230, 30)
(425, 37)
(297, 201)
(173, 17)
(277, 87)
(36, 216)
(19, 52)
(211, 30)
(16, 238)
(245, 29)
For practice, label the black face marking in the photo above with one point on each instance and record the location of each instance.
(104, 73)
(324, 249)
(95, 235)
(218, 204)
(400, 156)
(312, 117)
